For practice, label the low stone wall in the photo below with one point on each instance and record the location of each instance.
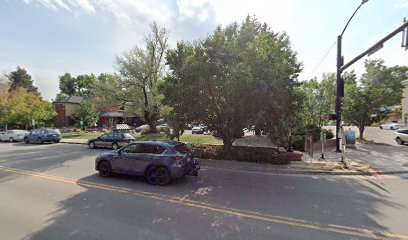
(239, 153)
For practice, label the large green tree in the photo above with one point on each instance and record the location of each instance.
(385, 79)
(141, 69)
(81, 85)
(318, 100)
(23, 106)
(86, 113)
(231, 78)
(20, 78)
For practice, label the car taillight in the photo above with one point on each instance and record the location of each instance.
(178, 158)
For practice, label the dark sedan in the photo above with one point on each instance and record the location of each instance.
(42, 135)
(111, 140)
(159, 162)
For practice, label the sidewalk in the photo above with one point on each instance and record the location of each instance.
(380, 158)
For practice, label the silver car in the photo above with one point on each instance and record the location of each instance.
(159, 162)
(390, 125)
(13, 135)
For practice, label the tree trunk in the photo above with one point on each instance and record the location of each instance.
(361, 129)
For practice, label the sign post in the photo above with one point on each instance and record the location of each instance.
(323, 141)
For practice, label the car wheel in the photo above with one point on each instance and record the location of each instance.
(11, 139)
(399, 141)
(115, 146)
(26, 140)
(56, 141)
(380, 127)
(105, 169)
(40, 141)
(91, 145)
(392, 128)
(158, 176)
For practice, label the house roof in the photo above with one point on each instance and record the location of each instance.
(73, 99)
(111, 114)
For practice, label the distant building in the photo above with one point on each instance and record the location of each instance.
(405, 103)
(108, 117)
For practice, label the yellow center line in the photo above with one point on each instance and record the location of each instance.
(361, 232)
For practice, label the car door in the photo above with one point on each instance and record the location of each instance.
(125, 158)
(404, 135)
(33, 135)
(142, 157)
(101, 141)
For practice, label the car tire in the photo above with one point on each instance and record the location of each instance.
(115, 146)
(26, 140)
(105, 169)
(157, 176)
(91, 145)
(40, 141)
(56, 141)
(392, 128)
(11, 139)
(381, 127)
(399, 141)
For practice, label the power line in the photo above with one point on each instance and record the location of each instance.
(325, 55)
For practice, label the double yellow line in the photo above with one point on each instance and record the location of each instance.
(346, 230)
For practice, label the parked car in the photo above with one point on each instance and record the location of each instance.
(142, 127)
(197, 130)
(111, 140)
(13, 135)
(162, 127)
(42, 135)
(159, 162)
(390, 125)
(401, 136)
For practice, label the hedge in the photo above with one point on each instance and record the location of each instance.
(238, 153)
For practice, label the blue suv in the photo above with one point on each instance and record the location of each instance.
(42, 135)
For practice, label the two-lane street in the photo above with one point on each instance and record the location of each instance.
(52, 191)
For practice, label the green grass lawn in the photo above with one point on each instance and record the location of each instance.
(198, 139)
(80, 135)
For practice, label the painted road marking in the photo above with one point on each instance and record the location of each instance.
(346, 230)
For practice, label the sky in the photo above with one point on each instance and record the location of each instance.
(51, 37)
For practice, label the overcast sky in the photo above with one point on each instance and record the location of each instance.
(51, 37)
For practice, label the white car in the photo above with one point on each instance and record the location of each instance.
(401, 136)
(197, 130)
(13, 135)
(390, 125)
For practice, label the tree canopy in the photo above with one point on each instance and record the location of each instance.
(233, 77)
(21, 79)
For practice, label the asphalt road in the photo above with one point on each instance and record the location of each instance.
(52, 191)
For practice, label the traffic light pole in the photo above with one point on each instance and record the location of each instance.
(341, 67)
(339, 91)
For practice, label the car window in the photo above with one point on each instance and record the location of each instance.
(130, 149)
(110, 136)
(103, 136)
(127, 135)
(53, 131)
(182, 148)
(148, 148)
(9, 132)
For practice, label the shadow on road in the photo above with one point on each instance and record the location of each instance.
(104, 214)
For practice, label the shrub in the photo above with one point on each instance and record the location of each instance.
(329, 133)
(238, 153)
(145, 131)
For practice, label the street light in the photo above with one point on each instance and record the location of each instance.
(339, 80)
